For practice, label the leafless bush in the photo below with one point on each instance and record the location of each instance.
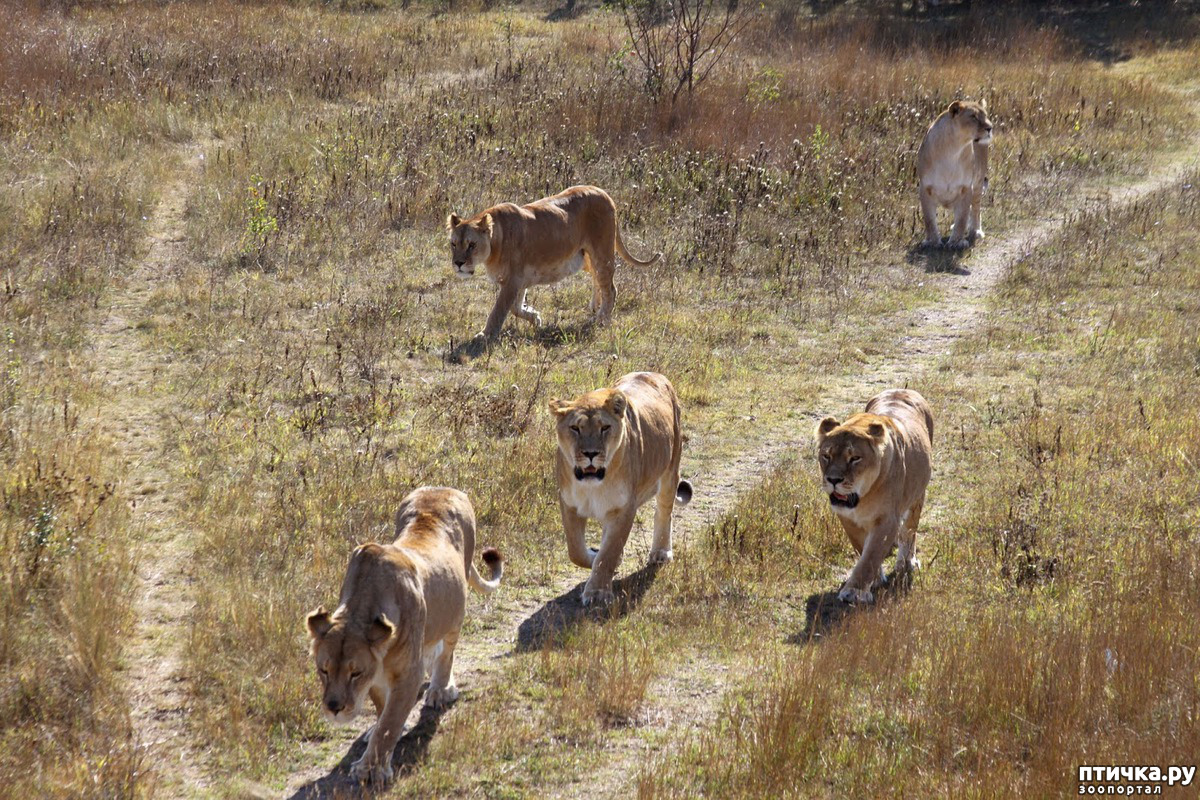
(679, 43)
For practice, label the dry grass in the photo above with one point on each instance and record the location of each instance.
(1064, 563)
(314, 328)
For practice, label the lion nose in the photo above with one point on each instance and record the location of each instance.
(833, 480)
(591, 454)
(335, 705)
(459, 263)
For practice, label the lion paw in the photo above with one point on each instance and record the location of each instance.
(597, 597)
(958, 244)
(440, 698)
(909, 565)
(661, 556)
(978, 234)
(856, 596)
(366, 772)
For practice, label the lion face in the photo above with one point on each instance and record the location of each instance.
(470, 243)
(850, 459)
(348, 661)
(972, 120)
(591, 431)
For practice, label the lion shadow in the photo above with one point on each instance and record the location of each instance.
(939, 260)
(551, 624)
(409, 752)
(548, 336)
(824, 613)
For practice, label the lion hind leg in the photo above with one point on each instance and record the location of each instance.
(604, 291)
(527, 312)
(962, 214)
(660, 549)
(906, 548)
(929, 207)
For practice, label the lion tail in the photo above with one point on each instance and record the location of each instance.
(624, 251)
(491, 556)
(683, 493)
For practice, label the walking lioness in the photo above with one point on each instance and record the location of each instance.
(617, 448)
(401, 607)
(952, 171)
(875, 467)
(540, 243)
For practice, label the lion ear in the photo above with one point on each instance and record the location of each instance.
(616, 403)
(955, 107)
(452, 221)
(559, 408)
(826, 425)
(876, 430)
(380, 630)
(983, 103)
(319, 623)
(485, 224)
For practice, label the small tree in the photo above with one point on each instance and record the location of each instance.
(678, 43)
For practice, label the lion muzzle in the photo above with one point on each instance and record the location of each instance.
(589, 473)
(843, 500)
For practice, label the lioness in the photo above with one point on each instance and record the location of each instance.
(401, 606)
(617, 448)
(875, 467)
(541, 243)
(952, 171)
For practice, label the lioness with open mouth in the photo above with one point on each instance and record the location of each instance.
(401, 607)
(875, 467)
(617, 448)
(540, 243)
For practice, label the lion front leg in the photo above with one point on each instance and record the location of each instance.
(869, 569)
(574, 529)
(442, 691)
(504, 302)
(598, 589)
(375, 766)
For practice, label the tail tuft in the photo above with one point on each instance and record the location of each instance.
(683, 493)
(491, 556)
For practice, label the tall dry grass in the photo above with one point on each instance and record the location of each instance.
(1059, 626)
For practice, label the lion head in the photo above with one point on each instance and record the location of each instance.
(470, 243)
(591, 431)
(349, 658)
(972, 120)
(850, 457)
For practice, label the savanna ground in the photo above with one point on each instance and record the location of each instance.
(229, 344)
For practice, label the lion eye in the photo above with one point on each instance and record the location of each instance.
(855, 459)
(356, 675)
(605, 428)
(575, 428)
(825, 457)
(471, 246)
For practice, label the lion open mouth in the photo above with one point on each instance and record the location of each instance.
(845, 500)
(584, 473)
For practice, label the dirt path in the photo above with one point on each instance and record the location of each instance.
(135, 418)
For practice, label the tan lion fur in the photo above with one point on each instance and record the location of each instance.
(875, 467)
(541, 243)
(630, 436)
(401, 605)
(952, 171)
